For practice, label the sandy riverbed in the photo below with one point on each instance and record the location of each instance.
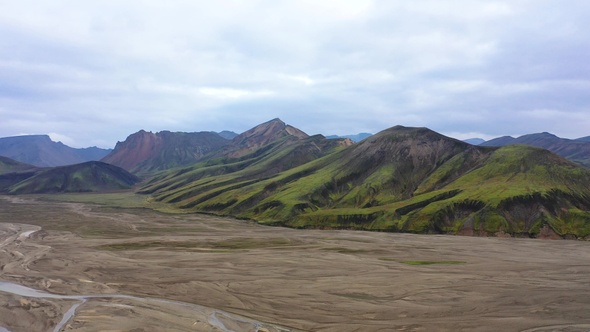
(301, 279)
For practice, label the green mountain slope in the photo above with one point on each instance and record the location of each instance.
(12, 172)
(86, 177)
(8, 165)
(401, 179)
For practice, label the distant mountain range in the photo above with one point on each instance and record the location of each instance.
(355, 138)
(400, 179)
(227, 134)
(474, 141)
(575, 150)
(41, 151)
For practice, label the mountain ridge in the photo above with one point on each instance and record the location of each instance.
(355, 138)
(406, 180)
(574, 150)
(144, 152)
(41, 151)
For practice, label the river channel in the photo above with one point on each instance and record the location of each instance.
(216, 318)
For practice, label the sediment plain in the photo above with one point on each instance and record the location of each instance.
(151, 271)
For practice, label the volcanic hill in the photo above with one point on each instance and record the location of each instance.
(92, 176)
(401, 179)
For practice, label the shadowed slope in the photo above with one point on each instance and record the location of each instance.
(12, 172)
(8, 165)
(86, 177)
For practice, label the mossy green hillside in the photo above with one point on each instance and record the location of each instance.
(402, 179)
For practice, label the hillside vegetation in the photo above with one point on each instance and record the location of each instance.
(91, 176)
(401, 179)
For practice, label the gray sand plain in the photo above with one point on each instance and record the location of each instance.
(246, 277)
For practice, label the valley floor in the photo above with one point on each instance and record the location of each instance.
(245, 277)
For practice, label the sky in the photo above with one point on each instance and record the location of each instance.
(90, 73)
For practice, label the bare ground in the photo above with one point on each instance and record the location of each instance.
(300, 279)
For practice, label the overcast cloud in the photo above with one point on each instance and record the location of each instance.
(93, 72)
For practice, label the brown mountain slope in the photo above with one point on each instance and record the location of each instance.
(259, 136)
(145, 152)
(263, 151)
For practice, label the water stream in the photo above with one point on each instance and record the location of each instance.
(214, 317)
(212, 314)
(67, 316)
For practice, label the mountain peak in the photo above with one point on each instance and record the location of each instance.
(416, 143)
(276, 120)
(267, 132)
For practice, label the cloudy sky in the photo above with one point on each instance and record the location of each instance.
(93, 72)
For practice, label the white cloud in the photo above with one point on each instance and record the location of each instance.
(230, 93)
(63, 138)
(106, 69)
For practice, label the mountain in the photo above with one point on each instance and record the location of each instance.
(401, 179)
(261, 152)
(355, 138)
(41, 151)
(268, 134)
(574, 150)
(500, 141)
(262, 135)
(584, 139)
(145, 152)
(474, 141)
(12, 172)
(90, 176)
(227, 134)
